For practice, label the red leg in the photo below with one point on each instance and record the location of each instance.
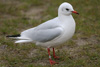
(51, 61)
(56, 57)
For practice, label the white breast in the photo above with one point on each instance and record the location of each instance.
(68, 31)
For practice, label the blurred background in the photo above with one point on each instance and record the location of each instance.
(83, 50)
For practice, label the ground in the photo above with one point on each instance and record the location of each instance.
(83, 50)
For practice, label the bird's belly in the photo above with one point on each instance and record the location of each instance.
(66, 36)
(59, 40)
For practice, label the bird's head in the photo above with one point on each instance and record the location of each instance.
(66, 9)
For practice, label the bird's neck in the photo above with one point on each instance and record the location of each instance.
(65, 17)
(67, 21)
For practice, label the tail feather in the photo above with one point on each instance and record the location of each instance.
(23, 41)
(19, 38)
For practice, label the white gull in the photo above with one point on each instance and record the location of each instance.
(51, 33)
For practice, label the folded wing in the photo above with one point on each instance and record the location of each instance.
(42, 35)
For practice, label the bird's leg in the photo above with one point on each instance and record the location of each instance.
(51, 61)
(56, 57)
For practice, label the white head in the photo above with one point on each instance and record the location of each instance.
(66, 9)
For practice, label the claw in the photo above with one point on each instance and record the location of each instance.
(52, 62)
(56, 57)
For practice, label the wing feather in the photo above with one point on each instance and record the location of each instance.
(42, 35)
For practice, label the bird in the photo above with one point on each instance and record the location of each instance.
(51, 33)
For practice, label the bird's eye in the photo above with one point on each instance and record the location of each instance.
(67, 9)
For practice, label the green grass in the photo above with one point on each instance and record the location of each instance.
(73, 53)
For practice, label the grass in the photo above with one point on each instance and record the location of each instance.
(83, 50)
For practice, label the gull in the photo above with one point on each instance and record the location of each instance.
(51, 33)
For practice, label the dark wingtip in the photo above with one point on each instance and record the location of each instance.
(18, 35)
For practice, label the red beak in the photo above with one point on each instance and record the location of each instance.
(75, 12)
